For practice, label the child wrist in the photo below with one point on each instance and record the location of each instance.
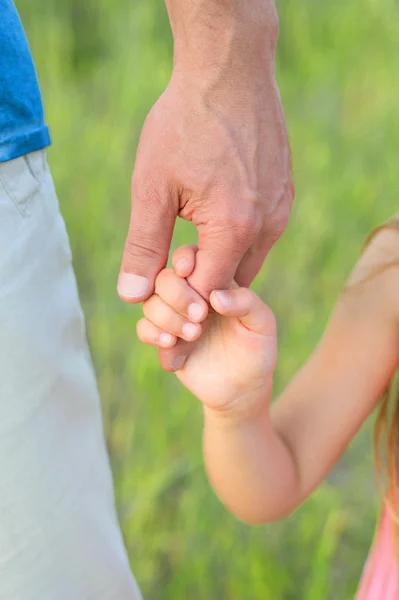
(240, 411)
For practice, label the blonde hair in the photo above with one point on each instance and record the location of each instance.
(386, 430)
(386, 454)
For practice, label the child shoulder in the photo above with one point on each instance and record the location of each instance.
(376, 273)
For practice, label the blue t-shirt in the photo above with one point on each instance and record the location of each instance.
(22, 126)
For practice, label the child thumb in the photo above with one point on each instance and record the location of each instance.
(246, 306)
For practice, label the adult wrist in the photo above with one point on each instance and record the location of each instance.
(214, 39)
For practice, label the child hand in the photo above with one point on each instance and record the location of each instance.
(235, 354)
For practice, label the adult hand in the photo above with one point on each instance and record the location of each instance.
(213, 150)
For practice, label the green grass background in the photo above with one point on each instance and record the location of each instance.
(101, 65)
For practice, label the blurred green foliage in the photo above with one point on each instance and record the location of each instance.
(101, 65)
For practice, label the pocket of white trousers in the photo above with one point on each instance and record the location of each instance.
(19, 181)
(31, 225)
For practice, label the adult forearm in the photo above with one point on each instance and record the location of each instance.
(233, 36)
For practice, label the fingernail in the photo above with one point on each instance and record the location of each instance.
(181, 264)
(178, 363)
(132, 286)
(224, 298)
(165, 339)
(195, 311)
(189, 331)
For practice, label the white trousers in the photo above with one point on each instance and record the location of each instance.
(59, 535)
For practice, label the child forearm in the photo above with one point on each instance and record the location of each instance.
(250, 467)
(263, 465)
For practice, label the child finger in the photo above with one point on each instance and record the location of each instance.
(247, 307)
(148, 333)
(177, 293)
(183, 260)
(175, 360)
(167, 319)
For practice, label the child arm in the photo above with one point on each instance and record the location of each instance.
(263, 464)
(264, 461)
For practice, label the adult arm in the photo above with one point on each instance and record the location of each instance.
(213, 150)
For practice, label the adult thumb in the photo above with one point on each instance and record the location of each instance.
(148, 241)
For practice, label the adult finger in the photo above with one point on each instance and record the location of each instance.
(253, 260)
(148, 241)
(221, 247)
(270, 233)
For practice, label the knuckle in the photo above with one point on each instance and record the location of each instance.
(185, 251)
(244, 226)
(248, 216)
(148, 306)
(291, 191)
(159, 314)
(172, 289)
(140, 246)
(151, 191)
(250, 223)
(167, 365)
(247, 295)
(279, 216)
(167, 287)
(141, 328)
(285, 201)
(164, 279)
(176, 302)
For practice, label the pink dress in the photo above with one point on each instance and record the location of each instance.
(380, 576)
